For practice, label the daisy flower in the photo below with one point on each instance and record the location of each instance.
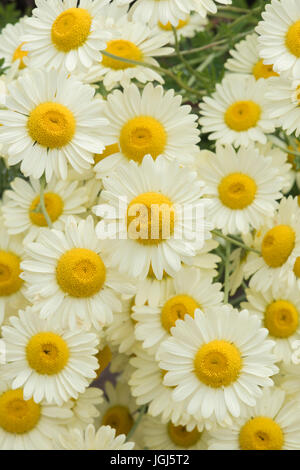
(280, 313)
(70, 278)
(134, 41)
(12, 49)
(158, 435)
(50, 363)
(57, 125)
(272, 425)
(153, 122)
(21, 209)
(26, 425)
(121, 332)
(290, 380)
(279, 243)
(67, 33)
(280, 45)
(136, 243)
(190, 291)
(219, 361)
(243, 188)
(281, 161)
(186, 28)
(89, 439)
(85, 408)
(245, 59)
(237, 112)
(104, 357)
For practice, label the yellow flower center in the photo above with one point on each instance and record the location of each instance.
(71, 29)
(168, 26)
(143, 135)
(292, 39)
(281, 319)
(242, 115)
(183, 438)
(260, 70)
(296, 268)
(218, 363)
(80, 272)
(109, 150)
(150, 218)
(47, 353)
(237, 191)
(261, 433)
(51, 125)
(125, 50)
(18, 416)
(20, 54)
(119, 418)
(176, 308)
(277, 245)
(54, 206)
(104, 358)
(10, 281)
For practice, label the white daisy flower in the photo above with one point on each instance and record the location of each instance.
(153, 122)
(85, 408)
(190, 291)
(121, 332)
(245, 59)
(242, 186)
(272, 425)
(89, 439)
(186, 28)
(70, 278)
(290, 380)
(134, 242)
(282, 161)
(21, 207)
(237, 112)
(51, 364)
(279, 243)
(26, 425)
(279, 38)
(66, 33)
(13, 49)
(280, 314)
(52, 120)
(219, 361)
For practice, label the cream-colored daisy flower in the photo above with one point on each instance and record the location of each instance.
(121, 332)
(85, 408)
(290, 380)
(282, 161)
(237, 112)
(186, 28)
(13, 49)
(53, 121)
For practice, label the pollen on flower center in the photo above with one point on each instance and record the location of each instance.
(124, 49)
(80, 272)
(237, 191)
(51, 125)
(242, 115)
(20, 54)
(47, 353)
(218, 363)
(54, 206)
(277, 245)
(150, 218)
(71, 29)
(281, 319)
(109, 150)
(181, 437)
(18, 416)
(10, 281)
(176, 308)
(261, 70)
(292, 39)
(168, 26)
(261, 433)
(119, 418)
(104, 358)
(143, 135)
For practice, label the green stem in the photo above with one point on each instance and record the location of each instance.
(185, 62)
(226, 279)
(42, 201)
(143, 411)
(238, 300)
(234, 241)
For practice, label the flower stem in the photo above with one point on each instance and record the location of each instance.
(42, 201)
(234, 241)
(226, 279)
(143, 411)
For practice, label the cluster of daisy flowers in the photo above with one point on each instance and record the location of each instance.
(131, 249)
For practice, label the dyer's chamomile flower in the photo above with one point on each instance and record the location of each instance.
(273, 424)
(85, 408)
(237, 112)
(152, 122)
(121, 332)
(143, 217)
(22, 212)
(27, 425)
(13, 49)
(70, 277)
(186, 28)
(51, 364)
(66, 33)
(243, 188)
(190, 291)
(219, 361)
(61, 124)
(279, 38)
(245, 59)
